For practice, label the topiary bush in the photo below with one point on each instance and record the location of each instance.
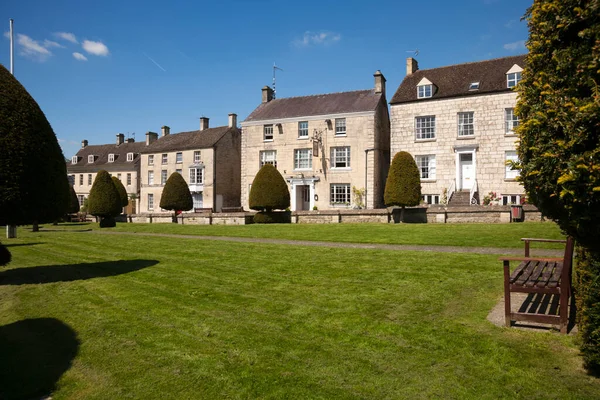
(122, 191)
(176, 194)
(273, 217)
(269, 190)
(403, 185)
(559, 146)
(104, 200)
(5, 255)
(73, 202)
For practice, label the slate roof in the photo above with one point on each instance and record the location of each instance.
(320, 104)
(188, 140)
(101, 153)
(454, 80)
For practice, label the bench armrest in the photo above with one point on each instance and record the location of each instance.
(543, 240)
(530, 259)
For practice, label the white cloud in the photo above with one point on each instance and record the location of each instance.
(49, 43)
(79, 57)
(69, 37)
(7, 35)
(317, 38)
(515, 46)
(95, 48)
(32, 48)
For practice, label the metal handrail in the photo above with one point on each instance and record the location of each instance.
(451, 190)
(472, 192)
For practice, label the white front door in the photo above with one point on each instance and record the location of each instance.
(467, 172)
(302, 197)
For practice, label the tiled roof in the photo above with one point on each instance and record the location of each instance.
(188, 140)
(101, 153)
(320, 104)
(454, 80)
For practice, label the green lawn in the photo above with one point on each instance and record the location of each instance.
(475, 235)
(107, 317)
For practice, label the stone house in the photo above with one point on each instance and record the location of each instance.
(458, 122)
(324, 145)
(208, 159)
(121, 159)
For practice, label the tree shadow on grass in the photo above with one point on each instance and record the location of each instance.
(34, 355)
(22, 244)
(71, 272)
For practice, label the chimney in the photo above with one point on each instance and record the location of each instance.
(232, 120)
(130, 140)
(411, 66)
(165, 130)
(267, 94)
(379, 82)
(203, 123)
(120, 139)
(151, 137)
(84, 144)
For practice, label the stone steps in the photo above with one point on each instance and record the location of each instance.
(460, 198)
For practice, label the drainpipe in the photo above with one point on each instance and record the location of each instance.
(366, 164)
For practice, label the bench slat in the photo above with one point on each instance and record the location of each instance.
(536, 274)
(526, 272)
(555, 279)
(546, 275)
(517, 272)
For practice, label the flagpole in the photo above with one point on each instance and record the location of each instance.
(12, 48)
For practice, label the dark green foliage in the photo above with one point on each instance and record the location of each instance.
(108, 222)
(269, 190)
(176, 194)
(273, 217)
(403, 185)
(104, 199)
(122, 191)
(5, 256)
(33, 175)
(559, 150)
(74, 202)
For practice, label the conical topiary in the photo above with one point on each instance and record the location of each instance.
(5, 255)
(122, 191)
(403, 185)
(269, 190)
(104, 200)
(33, 176)
(176, 194)
(74, 202)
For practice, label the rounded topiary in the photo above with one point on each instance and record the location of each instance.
(176, 194)
(403, 185)
(273, 217)
(108, 222)
(122, 191)
(5, 256)
(33, 176)
(104, 200)
(269, 190)
(73, 202)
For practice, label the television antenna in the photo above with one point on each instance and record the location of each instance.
(275, 68)
(415, 52)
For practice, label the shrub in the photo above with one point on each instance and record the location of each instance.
(104, 200)
(559, 146)
(273, 217)
(34, 185)
(73, 202)
(403, 185)
(269, 190)
(5, 256)
(108, 222)
(122, 191)
(176, 194)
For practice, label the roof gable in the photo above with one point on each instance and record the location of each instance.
(515, 68)
(188, 140)
(424, 81)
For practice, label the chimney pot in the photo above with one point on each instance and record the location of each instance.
(120, 139)
(151, 137)
(203, 123)
(411, 66)
(232, 120)
(165, 130)
(130, 140)
(379, 82)
(267, 94)
(84, 144)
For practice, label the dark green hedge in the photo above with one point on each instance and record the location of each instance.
(176, 194)
(5, 256)
(104, 200)
(122, 191)
(587, 288)
(33, 175)
(108, 222)
(403, 185)
(269, 190)
(273, 217)
(73, 202)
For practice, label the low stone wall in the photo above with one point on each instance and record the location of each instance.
(341, 216)
(479, 214)
(203, 218)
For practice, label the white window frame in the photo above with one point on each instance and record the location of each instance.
(151, 159)
(111, 157)
(431, 198)
(164, 158)
(510, 155)
(179, 171)
(268, 157)
(424, 91)
(163, 176)
(90, 180)
(340, 194)
(150, 177)
(507, 199)
(198, 199)
(196, 176)
(128, 178)
(303, 159)
(466, 125)
(129, 157)
(513, 79)
(197, 156)
(119, 176)
(340, 157)
(425, 127)
(74, 160)
(511, 121)
(150, 201)
(303, 130)
(91, 159)
(80, 200)
(178, 157)
(268, 133)
(474, 86)
(340, 127)
(80, 179)
(427, 166)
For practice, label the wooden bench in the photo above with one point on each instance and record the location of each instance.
(543, 275)
(232, 209)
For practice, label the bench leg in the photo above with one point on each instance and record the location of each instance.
(564, 309)
(507, 310)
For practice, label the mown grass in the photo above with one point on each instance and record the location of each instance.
(150, 317)
(471, 235)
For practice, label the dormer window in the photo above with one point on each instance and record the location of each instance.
(474, 86)
(90, 158)
(74, 160)
(513, 76)
(111, 157)
(129, 156)
(424, 91)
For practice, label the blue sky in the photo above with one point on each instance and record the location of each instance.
(104, 67)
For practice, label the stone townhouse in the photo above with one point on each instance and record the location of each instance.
(121, 159)
(458, 122)
(208, 159)
(324, 146)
